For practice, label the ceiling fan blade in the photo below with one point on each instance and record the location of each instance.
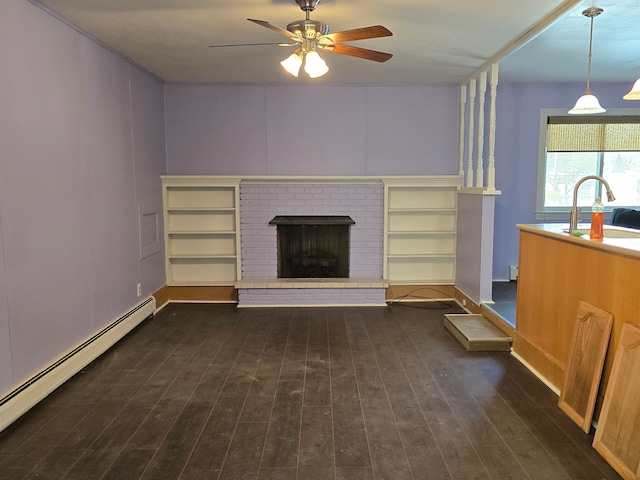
(364, 33)
(253, 44)
(356, 52)
(268, 25)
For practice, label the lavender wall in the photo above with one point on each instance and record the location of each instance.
(352, 130)
(474, 245)
(82, 142)
(324, 130)
(517, 135)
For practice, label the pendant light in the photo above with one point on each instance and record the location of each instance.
(634, 94)
(588, 103)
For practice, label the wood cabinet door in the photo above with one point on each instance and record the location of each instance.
(617, 437)
(591, 333)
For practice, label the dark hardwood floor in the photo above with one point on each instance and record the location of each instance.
(216, 392)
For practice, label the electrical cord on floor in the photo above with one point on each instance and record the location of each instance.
(433, 304)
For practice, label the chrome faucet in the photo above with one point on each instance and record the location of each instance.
(575, 211)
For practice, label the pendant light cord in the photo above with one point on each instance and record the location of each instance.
(589, 60)
(591, 12)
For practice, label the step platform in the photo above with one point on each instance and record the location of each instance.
(477, 334)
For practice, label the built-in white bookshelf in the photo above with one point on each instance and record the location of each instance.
(201, 221)
(202, 230)
(420, 230)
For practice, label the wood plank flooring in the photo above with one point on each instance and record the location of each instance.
(205, 391)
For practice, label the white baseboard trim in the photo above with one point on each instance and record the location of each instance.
(196, 301)
(22, 398)
(536, 373)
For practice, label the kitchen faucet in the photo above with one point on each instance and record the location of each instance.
(575, 211)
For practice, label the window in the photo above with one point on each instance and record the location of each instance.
(573, 146)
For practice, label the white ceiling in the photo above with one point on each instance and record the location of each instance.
(433, 41)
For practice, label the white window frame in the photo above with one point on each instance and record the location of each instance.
(559, 213)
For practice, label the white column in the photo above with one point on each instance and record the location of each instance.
(491, 167)
(482, 89)
(463, 103)
(472, 101)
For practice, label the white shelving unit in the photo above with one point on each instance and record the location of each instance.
(420, 230)
(202, 239)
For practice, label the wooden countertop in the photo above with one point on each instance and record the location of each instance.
(626, 245)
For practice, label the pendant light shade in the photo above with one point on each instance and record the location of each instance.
(634, 94)
(314, 65)
(588, 103)
(293, 63)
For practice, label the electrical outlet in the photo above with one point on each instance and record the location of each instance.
(139, 289)
(513, 272)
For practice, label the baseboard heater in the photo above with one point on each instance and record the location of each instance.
(24, 397)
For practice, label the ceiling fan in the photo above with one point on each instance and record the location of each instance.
(310, 36)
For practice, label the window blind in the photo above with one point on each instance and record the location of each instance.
(620, 133)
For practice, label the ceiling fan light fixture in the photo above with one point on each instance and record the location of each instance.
(634, 94)
(292, 63)
(314, 65)
(588, 103)
(311, 35)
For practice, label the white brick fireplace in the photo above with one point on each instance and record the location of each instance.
(261, 201)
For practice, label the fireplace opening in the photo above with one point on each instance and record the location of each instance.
(313, 246)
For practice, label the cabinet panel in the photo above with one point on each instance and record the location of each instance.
(194, 245)
(421, 270)
(421, 221)
(200, 197)
(422, 197)
(190, 271)
(421, 244)
(202, 221)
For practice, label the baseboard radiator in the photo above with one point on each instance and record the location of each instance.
(22, 398)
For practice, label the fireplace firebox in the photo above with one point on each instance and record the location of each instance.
(313, 246)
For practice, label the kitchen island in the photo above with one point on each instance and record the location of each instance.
(556, 271)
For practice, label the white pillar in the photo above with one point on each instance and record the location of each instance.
(491, 167)
(482, 89)
(472, 100)
(463, 103)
